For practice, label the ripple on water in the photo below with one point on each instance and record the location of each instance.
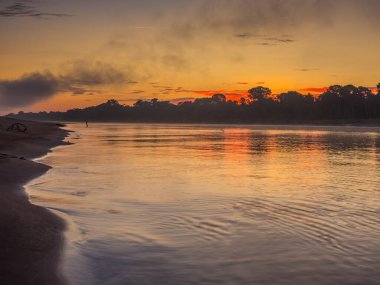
(160, 204)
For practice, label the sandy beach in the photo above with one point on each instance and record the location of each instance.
(31, 237)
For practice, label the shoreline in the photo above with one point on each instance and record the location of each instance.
(31, 237)
(319, 123)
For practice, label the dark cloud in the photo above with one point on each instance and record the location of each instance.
(77, 90)
(79, 78)
(28, 89)
(19, 9)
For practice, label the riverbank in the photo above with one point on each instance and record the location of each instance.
(31, 237)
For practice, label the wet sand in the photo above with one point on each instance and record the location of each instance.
(31, 237)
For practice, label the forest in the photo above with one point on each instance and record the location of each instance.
(337, 104)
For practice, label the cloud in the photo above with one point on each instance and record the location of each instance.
(137, 91)
(314, 89)
(253, 19)
(319, 90)
(250, 19)
(19, 9)
(79, 78)
(76, 91)
(177, 101)
(280, 40)
(266, 44)
(90, 73)
(243, 35)
(174, 61)
(233, 95)
(266, 40)
(307, 69)
(28, 89)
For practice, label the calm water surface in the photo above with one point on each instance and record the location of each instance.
(187, 204)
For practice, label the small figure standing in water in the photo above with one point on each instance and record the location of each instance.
(86, 124)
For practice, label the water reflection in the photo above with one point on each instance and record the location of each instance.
(185, 204)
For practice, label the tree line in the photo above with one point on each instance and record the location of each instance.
(338, 103)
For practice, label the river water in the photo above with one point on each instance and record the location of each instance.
(217, 204)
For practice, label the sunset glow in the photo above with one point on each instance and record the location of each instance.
(177, 142)
(98, 50)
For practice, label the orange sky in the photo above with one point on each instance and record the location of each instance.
(86, 53)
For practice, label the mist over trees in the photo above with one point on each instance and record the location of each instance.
(339, 103)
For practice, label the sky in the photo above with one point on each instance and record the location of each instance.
(57, 55)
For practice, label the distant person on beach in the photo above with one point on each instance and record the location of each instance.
(86, 124)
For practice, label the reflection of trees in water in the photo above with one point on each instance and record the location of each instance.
(285, 142)
(340, 143)
(376, 143)
(260, 143)
(214, 142)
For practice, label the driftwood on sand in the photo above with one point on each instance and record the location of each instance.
(18, 127)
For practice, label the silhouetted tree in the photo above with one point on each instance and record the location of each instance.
(259, 93)
(218, 98)
(138, 103)
(112, 102)
(329, 102)
(203, 101)
(337, 103)
(295, 106)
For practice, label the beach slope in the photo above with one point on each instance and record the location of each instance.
(31, 237)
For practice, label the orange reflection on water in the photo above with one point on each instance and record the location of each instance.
(221, 200)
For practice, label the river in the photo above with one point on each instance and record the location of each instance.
(217, 204)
